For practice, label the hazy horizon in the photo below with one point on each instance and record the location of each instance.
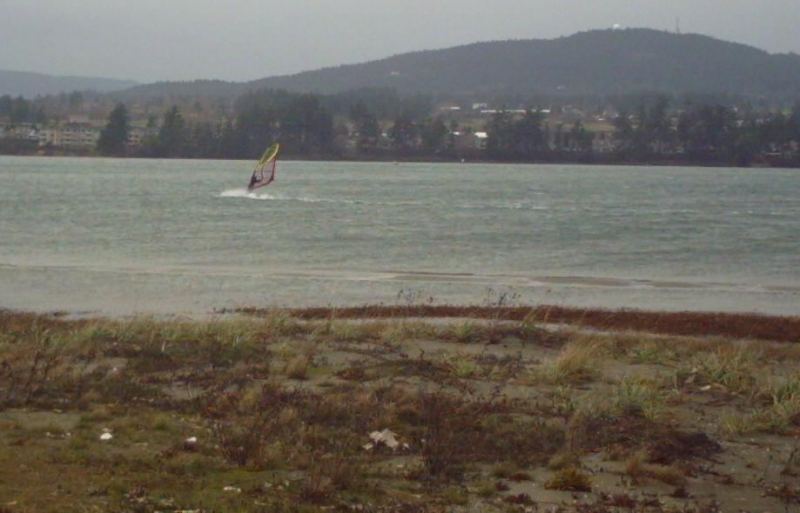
(247, 39)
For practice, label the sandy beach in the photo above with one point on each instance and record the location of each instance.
(400, 409)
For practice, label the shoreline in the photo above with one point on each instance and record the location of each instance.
(741, 325)
(686, 323)
(594, 161)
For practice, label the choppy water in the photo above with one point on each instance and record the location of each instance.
(122, 236)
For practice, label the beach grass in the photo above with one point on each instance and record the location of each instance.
(299, 411)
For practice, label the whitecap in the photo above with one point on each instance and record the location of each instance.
(266, 196)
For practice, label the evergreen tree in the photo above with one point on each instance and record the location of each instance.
(434, 135)
(172, 134)
(404, 133)
(306, 126)
(75, 100)
(232, 141)
(528, 136)
(5, 105)
(501, 135)
(203, 143)
(367, 128)
(580, 138)
(523, 139)
(114, 137)
(20, 110)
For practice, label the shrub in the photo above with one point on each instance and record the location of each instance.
(577, 362)
(730, 367)
(569, 479)
(297, 367)
(637, 397)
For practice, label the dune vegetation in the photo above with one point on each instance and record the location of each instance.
(330, 410)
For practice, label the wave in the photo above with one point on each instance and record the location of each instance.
(514, 280)
(513, 205)
(266, 196)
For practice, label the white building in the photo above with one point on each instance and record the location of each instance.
(470, 141)
(75, 136)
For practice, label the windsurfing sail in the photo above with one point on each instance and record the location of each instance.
(264, 173)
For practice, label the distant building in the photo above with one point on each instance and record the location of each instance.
(72, 136)
(481, 138)
(49, 137)
(449, 107)
(22, 131)
(515, 112)
(469, 141)
(137, 135)
(78, 119)
(603, 142)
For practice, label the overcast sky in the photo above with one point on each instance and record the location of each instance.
(149, 40)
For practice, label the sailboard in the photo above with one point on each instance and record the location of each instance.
(264, 173)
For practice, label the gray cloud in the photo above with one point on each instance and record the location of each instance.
(244, 39)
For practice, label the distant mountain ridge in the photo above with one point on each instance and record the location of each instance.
(597, 62)
(29, 84)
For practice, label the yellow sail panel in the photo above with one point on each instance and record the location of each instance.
(270, 154)
(264, 173)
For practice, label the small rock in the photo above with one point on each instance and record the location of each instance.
(385, 437)
(106, 437)
(233, 489)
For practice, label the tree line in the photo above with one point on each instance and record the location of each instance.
(706, 133)
(378, 124)
(19, 110)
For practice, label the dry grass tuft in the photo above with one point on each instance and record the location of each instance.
(569, 479)
(733, 367)
(297, 367)
(578, 362)
(467, 332)
(638, 397)
(637, 468)
(778, 413)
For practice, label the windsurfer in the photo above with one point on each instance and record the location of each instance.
(264, 172)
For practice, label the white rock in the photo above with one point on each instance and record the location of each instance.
(233, 489)
(106, 437)
(191, 440)
(385, 437)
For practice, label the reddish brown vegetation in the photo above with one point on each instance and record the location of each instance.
(736, 325)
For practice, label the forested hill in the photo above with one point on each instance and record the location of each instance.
(30, 85)
(597, 62)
